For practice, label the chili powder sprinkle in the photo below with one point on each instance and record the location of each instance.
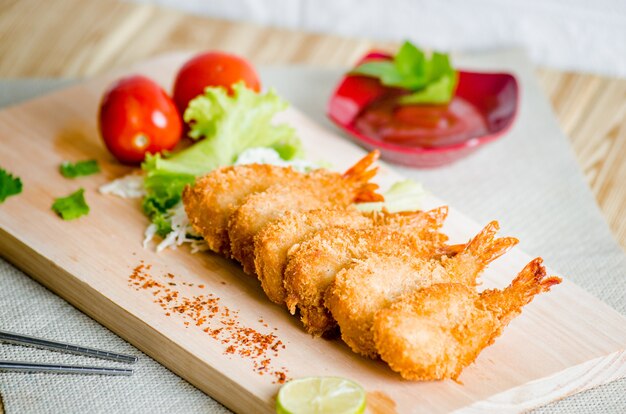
(215, 319)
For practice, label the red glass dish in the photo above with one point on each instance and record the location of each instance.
(495, 96)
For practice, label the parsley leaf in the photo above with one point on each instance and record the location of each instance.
(72, 206)
(79, 169)
(431, 79)
(9, 185)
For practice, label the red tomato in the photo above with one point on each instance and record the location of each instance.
(138, 117)
(212, 69)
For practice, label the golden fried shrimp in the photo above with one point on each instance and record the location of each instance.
(318, 189)
(273, 241)
(372, 284)
(363, 288)
(435, 332)
(313, 264)
(214, 197)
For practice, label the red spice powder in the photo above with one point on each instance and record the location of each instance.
(216, 320)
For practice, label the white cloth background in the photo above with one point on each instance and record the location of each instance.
(580, 35)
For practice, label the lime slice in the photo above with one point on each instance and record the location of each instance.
(317, 395)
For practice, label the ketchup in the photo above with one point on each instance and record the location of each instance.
(421, 125)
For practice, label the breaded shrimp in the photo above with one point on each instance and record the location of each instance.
(372, 284)
(273, 242)
(313, 264)
(435, 332)
(318, 189)
(214, 197)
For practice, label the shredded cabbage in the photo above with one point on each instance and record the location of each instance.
(181, 232)
(129, 186)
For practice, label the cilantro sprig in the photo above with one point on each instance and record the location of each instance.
(79, 169)
(9, 185)
(431, 79)
(72, 206)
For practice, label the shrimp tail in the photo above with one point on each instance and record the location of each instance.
(486, 248)
(530, 282)
(417, 219)
(437, 216)
(360, 174)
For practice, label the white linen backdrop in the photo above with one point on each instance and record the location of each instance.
(581, 35)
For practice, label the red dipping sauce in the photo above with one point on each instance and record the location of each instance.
(482, 110)
(426, 126)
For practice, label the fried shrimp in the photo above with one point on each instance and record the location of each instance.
(214, 197)
(388, 281)
(318, 189)
(372, 284)
(435, 332)
(273, 242)
(313, 264)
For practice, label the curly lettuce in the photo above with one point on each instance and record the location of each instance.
(224, 125)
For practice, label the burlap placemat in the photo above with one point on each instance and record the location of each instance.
(529, 181)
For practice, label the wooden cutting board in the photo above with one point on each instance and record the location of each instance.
(564, 342)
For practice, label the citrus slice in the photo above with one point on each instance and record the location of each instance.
(317, 395)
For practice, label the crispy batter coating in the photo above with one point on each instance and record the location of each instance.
(273, 241)
(214, 197)
(372, 284)
(313, 264)
(435, 332)
(389, 281)
(318, 189)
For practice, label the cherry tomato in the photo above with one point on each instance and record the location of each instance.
(212, 69)
(138, 117)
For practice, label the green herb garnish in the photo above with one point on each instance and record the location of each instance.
(72, 206)
(9, 185)
(79, 169)
(431, 79)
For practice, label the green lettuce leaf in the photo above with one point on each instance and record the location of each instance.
(227, 125)
(72, 206)
(404, 195)
(9, 185)
(79, 169)
(431, 79)
(224, 126)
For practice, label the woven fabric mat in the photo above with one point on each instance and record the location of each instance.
(528, 180)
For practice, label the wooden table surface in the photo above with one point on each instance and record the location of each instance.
(78, 38)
